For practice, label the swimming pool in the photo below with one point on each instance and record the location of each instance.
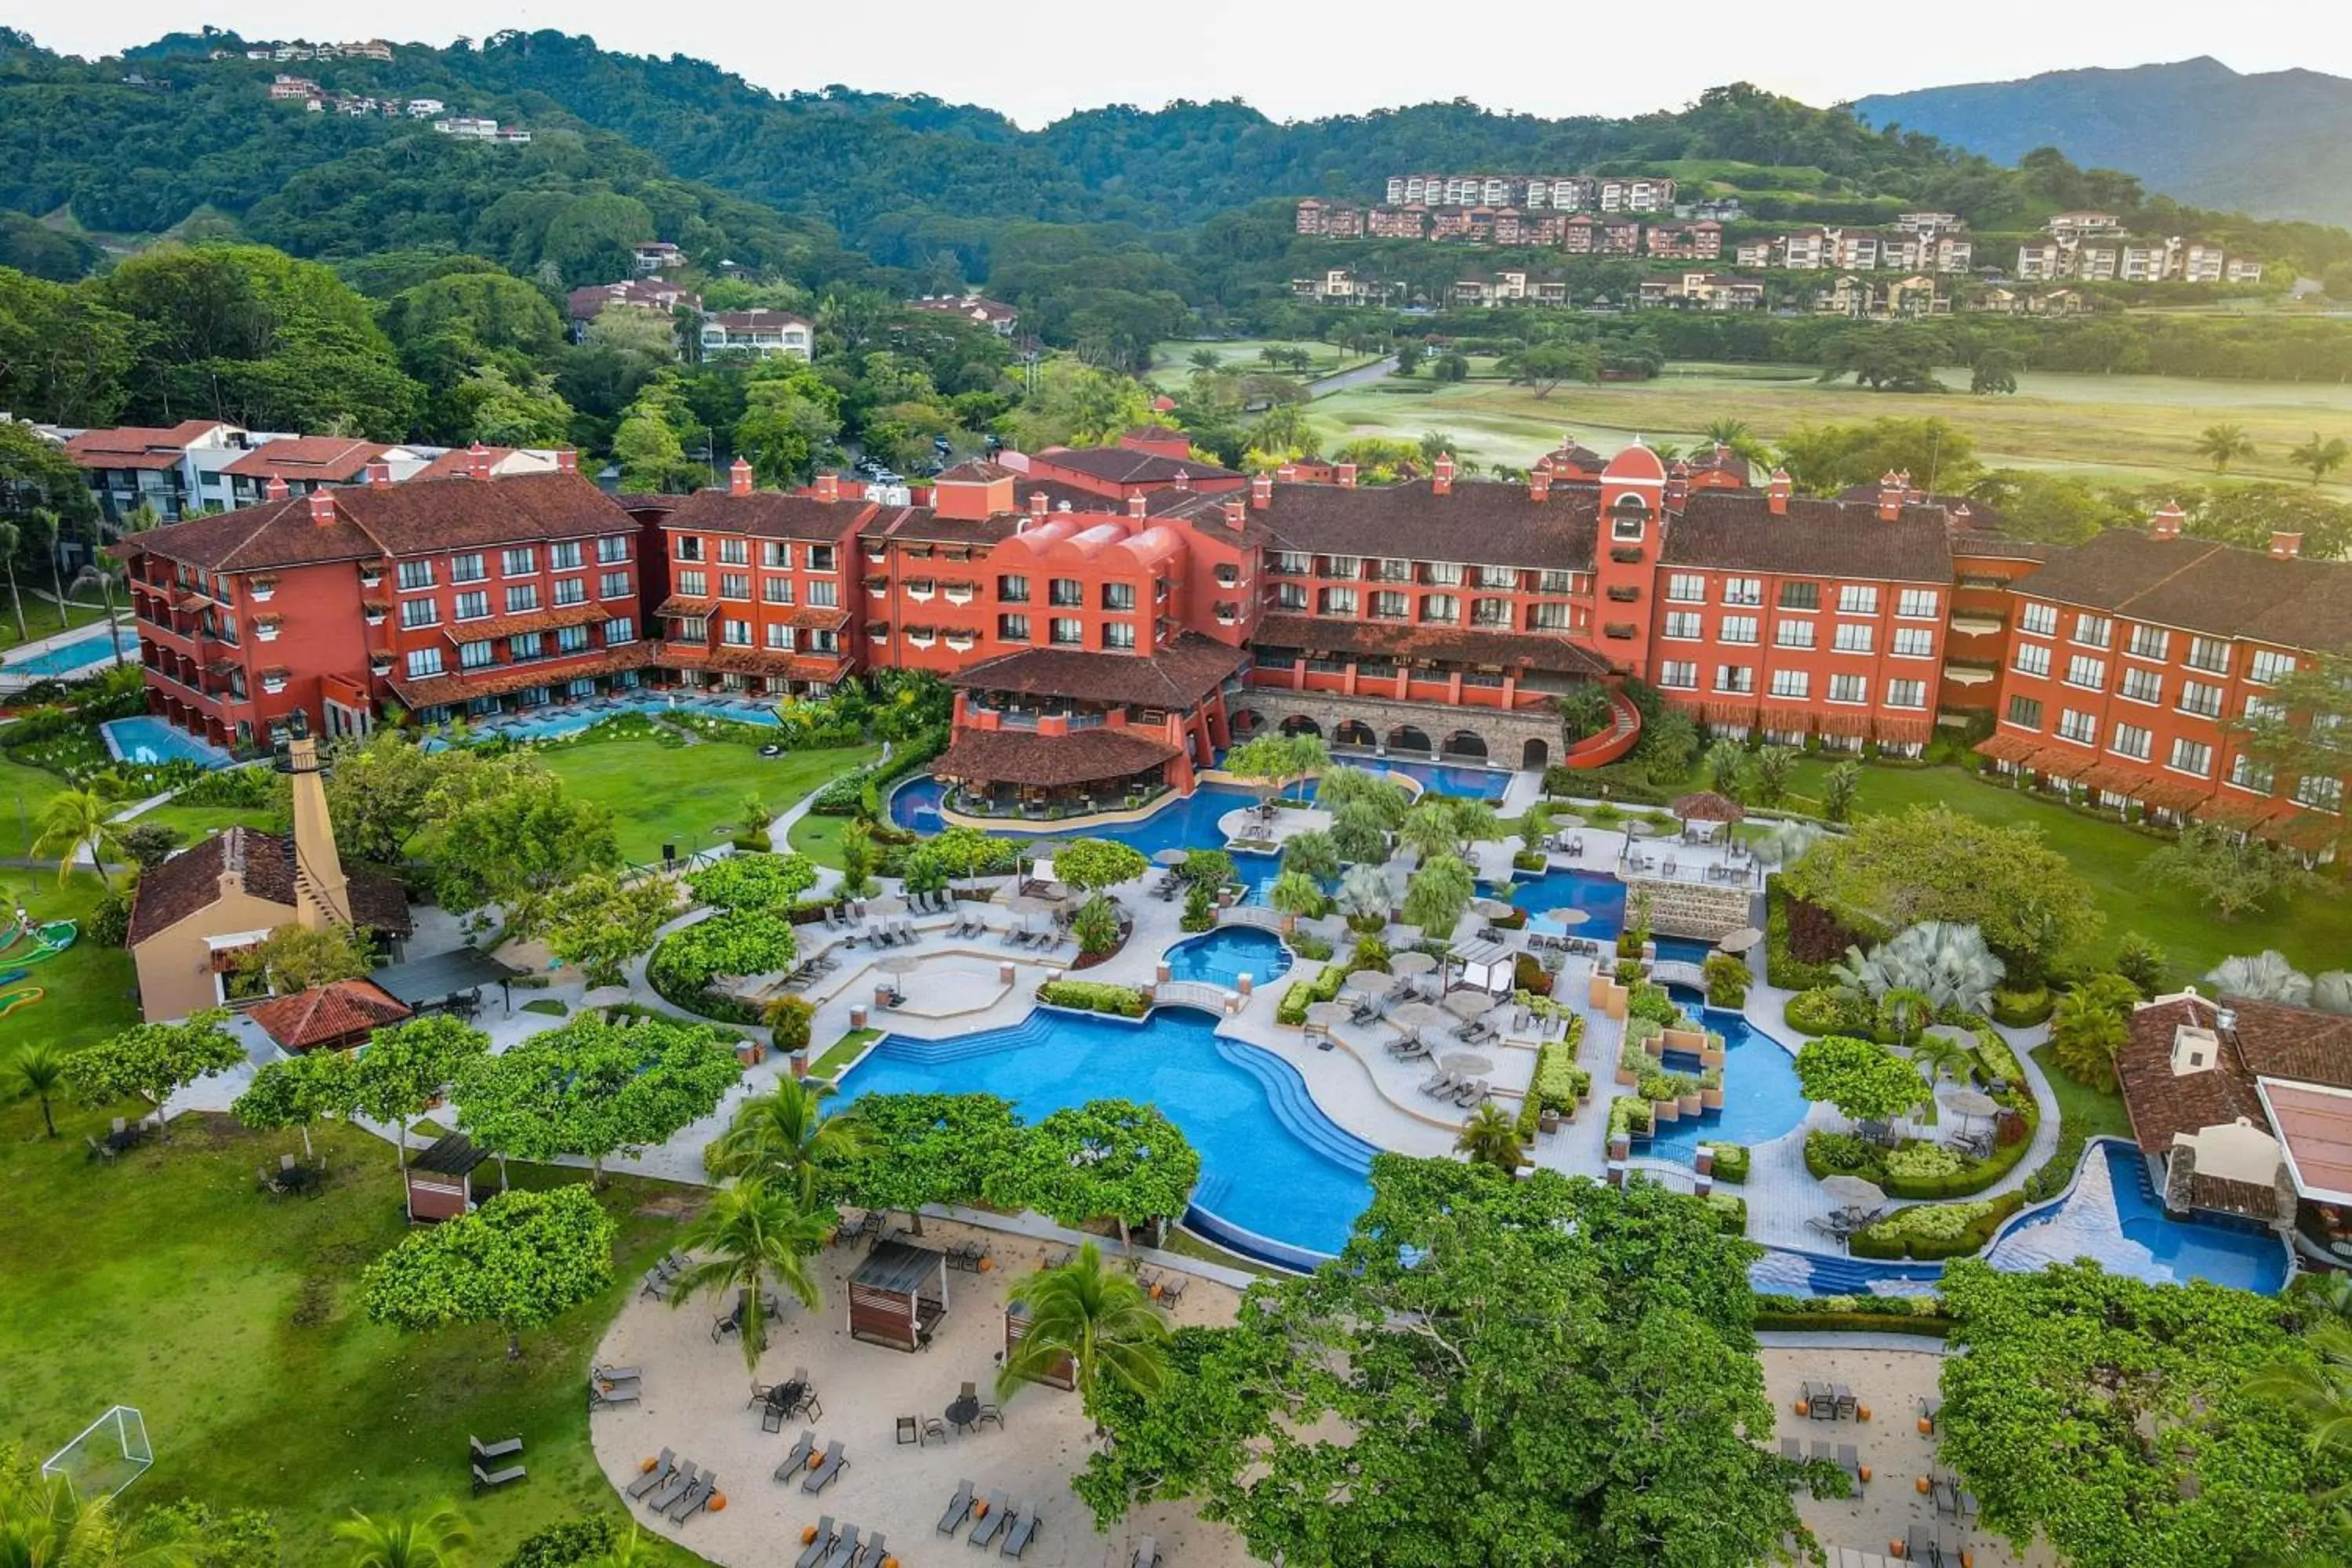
(1223, 957)
(1761, 1099)
(1278, 1179)
(145, 738)
(1438, 778)
(1600, 897)
(70, 658)
(550, 724)
(1184, 822)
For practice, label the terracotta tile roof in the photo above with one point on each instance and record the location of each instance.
(1527, 650)
(1480, 523)
(189, 882)
(2162, 1103)
(136, 445)
(327, 1014)
(1736, 530)
(2274, 1040)
(1022, 757)
(921, 525)
(333, 459)
(2220, 1195)
(752, 661)
(2200, 585)
(1177, 677)
(533, 621)
(255, 538)
(686, 604)
(1126, 466)
(748, 320)
(972, 470)
(433, 691)
(769, 514)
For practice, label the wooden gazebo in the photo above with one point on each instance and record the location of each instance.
(899, 1295)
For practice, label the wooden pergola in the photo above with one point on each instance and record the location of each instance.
(899, 1295)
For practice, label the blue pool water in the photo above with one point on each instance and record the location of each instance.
(546, 724)
(147, 738)
(1187, 822)
(1601, 899)
(68, 657)
(1278, 1179)
(1761, 1101)
(1221, 957)
(1439, 778)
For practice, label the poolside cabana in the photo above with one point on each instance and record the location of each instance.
(1706, 815)
(1479, 966)
(899, 1295)
(441, 1179)
(1063, 1374)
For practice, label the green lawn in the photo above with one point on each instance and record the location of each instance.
(24, 791)
(88, 987)
(691, 797)
(41, 620)
(2082, 1109)
(818, 838)
(194, 822)
(2313, 930)
(1172, 361)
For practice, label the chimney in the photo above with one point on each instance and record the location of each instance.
(1442, 475)
(1911, 492)
(1287, 472)
(1138, 504)
(1540, 484)
(739, 478)
(1262, 490)
(1183, 481)
(323, 507)
(2166, 524)
(828, 487)
(2286, 546)
(1890, 496)
(1236, 511)
(275, 489)
(1038, 503)
(1677, 485)
(1776, 498)
(1346, 473)
(478, 460)
(376, 474)
(567, 461)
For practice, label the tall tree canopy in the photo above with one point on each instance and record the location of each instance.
(592, 1089)
(518, 1261)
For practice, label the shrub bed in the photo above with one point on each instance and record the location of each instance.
(1731, 1163)
(1827, 1010)
(1730, 1211)
(1929, 1232)
(1727, 981)
(736, 942)
(1559, 1083)
(1093, 996)
(1798, 1322)
(2023, 1009)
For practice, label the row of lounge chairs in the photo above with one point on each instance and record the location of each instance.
(488, 1475)
(611, 1385)
(1829, 1402)
(1566, 843)
(1846, 1457)
(898, 932)
(1950, 1497)
(831, 1548)
(1477, 1031)
(674, 1487)
(1466, 1092)
(1035, 940)
(970, 1255)
(1409, 1047)
(994, 1523)
(1538, 941)
(813, 968)
(1938, 1548)
(660, 1278)
(1846, 1222)
(1166, 1288)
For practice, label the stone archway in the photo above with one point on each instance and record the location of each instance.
(1409, 738)
(1244, 721)
(1466, 743)
(1536, 753)
(1300, 724)
(1355, 732)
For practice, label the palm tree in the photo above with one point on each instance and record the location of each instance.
(49, 531)
(102, 573)
(44, 1524)
(629, 1552)
(1910, 1009)
(1942, 1056)
(1295, 894)
(1099, 1317)
(1429, 828)
(1786, 843)
(75, 820)
(2323, 458)
(1490, 1137)
(2321, 1388)
(2221, 445)
(1365, 894)
(754, 1229)
(436, 1538)
(11, 537)
(1204, 359)
(784, 1132)
(1725, 760)
(2267, 976)
(37, 1071)
(2332, 992)
(1839, 787)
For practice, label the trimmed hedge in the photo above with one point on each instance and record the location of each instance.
(1934, 1327)
(1731, 1164)
(1827, 1010)
(2023, 1009)
(1931, 1232)
(1730, 1211)
(1557, 1084)
(846, 794)
(1727, 981)
(1093, 996)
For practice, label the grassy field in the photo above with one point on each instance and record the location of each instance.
(88, 987)
(232, 1321)
(818, 838)
(2082, 1109)
(41, 620)
(691, 796)
(2121, 429)
(1172, 361)
(2313, 930)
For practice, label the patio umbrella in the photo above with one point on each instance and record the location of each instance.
(1968, 1103)
(1323, 1015)
(1470, 1064)
(1371, 983)
(1405, 965)
(886, 906)
(898, 963)
(1468, 1004)
(1417, 1016)
(1494, 908)
(1568, 917)
(605, 996)
(1033, 904)
(1171, 856)
(1853, 1191)
(1640, 827)
(1742, 940)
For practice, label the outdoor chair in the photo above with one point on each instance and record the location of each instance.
(1850, 1461)
(828, 1468)
(697, 1497)
(959, 1509)
(1059, 1260)
(680, 1480)
(1820, 1402)
(1148, 1280)
(664, 1467)
(486, 1452)
(1016, 1539)
(264, 1181)
(934, 1430)
(909, 1431)
(873, 1553)
(1792, 1450)
(491, 1480)
(991, 1523)
(1147, 1555)
(989, 1413)
(1470, 1094)
(99, 1151)
(1443, 1083)
(1171, 1288)
(820, 1545)
(845, 1548)
(797, 1459)
(605, 1392)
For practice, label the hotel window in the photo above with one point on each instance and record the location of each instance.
(1119, 634)
(611, 548)
(1737, 679)
(1289, 563)
(415, 575)
(1857, 601)
(2032, 658)
(1347, 568)
(689, 547)
(1066, 593)
(525, 644)
(734, 552)
(1918, 603)
(416, 613)
(571, 591)
(1548, 617)
(613, 585)
(1440, 609)
(2320, 793)
(825, 642)
(1801, 596)
(2270, 667)
(1289, 596)
(1064, 632)
(693, 584)
(1119, 596)
(474, 655)
(1853, 637)
(1336, 601)
(424, 661)
(824, 595)
(1683, 624)
(2150, 642)
(1743, 590)
(1739, 629)
(2025, 711)
(1628, 518)
(775, 590)
(2142, 685)
(1013, 590)
(2197, 698)
(1914, 642)
(571, 639)
(620, 629)
(779, 639)
(2247, 772)
(522, 599)
(735, 633)
(734, 585)
(473, 606)
(2132, 741)
(1494, 613)
(1012, 628)
(692, 628)
(564, 557)
(2191, 757)
(2094, 631)
(2079, 727)
(1391, 606)
(1792, 683)
(775, 557)
(1793, 634)
(1442, 575)
(2041, 620)
(1498, 577)
(1687, 588)
(1391, 571)
(1556, 582)
(519, 562)
(1907, 694)
(2083, 670)
(2208, 654)
(1849, 688)
(1677, 675)
(466, 568)
(821, 557)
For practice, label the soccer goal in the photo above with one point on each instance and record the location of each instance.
(111, 1452)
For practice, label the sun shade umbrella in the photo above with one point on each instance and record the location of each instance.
(1852, 1190)
(1032, 904)
(605, 996)
(1494, 908)
(1171, 856)
(1417, 1016)
(886, 906)
(1970, 1104)
(898, 963)
(1371, 983)
(1469, 1064)
(1324, 1015)
(1468, 1004)
(1742, 940)
(1409, 964)
(1640, 827)
(1569, 916)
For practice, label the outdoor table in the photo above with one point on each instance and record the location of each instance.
(962, 1412)
(787, 1396)
(299, 1178)
(126, 1138)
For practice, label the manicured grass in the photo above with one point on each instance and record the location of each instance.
(2082, 1109)
(88, 987)
(818, 838)
(2313, 930)
(843, 1051)
(1172, 361)
(24, 791)
(233, 1321)
(41, 621)
(685, 795)
(194, 822)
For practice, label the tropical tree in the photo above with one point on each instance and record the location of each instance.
(599, 923)
(436, 1537)
(1311, 854)
(592, 1089)
(1491, 1137)
(784, 1132)
(753, 1230)
(1863, 1079)
(1099, 1317)
(1342, 786)
(73, 821)
(297, 957)
(2232, 873)
(1365, 894)
(408, 1066)
(1297, 895)
(2222, 445)
(38, 1070)
(11, 538)
(45, 1523)
(153, 1060)
(1727, 765)
(2322, 457)
(923, 1149)
(1773, 767)
(518, 1261)
(1107, 1159)
(2332, 992)
(296, 1091)
(2318, 1384)
(1090, 865)
(1840, 784)
(1941, 1056)
(2265, 976)
(2085, 1039)
(1439, 891)
(1948, 965)
(1359, 834)
(1096, 925)
(1269, 763)
(1786, 843)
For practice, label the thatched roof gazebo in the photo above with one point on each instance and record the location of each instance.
(1706, 805)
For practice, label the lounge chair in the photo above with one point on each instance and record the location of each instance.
(696, 1496)
(828, 1468)
(1470, 1094)
(1850, 1461)
(680, 1481)
(1147, 1555)
(797, 1460)
(1024, 1528)
(988, 1412)
(845, 1548)
(664, 1467)
(97, 1151)
(602, 1392)
(871, 1555)
(990, 1521)
(909, 1431)
(820, 1545)
(1171, 1288)
(490, 1480)
(1443, 1084)
(1792, 1450)
(486, 1452)
(959, 1509)
(1919, 1546)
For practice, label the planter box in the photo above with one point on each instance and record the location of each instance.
(1666, 1111)
(1621, 1148)
(1549, 1122)
(1710, 1055)
(1705, 1164)
(1693, 1104)
(1685, 1042)
(1655, 1045)
(1626, 1078)
(1710, 1099)
(1606, 996)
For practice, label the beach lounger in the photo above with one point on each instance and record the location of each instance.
(797, 1460)
(1792, 1450)
(680, 1481)
(486, 1452)
(1016, 1539)
(1945, 1488)
(490, 1480)
(1919, 1546)
(1147, 1555)
(991, 1523)
(1470, 1094)
(1171, 1288)
(1443, 1084)
(820, 1545)
(664, 1467)
(696, 1499)
(1850, 1462)
(959, 1509)
(845, 1548)
(870, 1554)
(828, 1468)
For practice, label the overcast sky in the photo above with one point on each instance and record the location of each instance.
(1037, 60)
